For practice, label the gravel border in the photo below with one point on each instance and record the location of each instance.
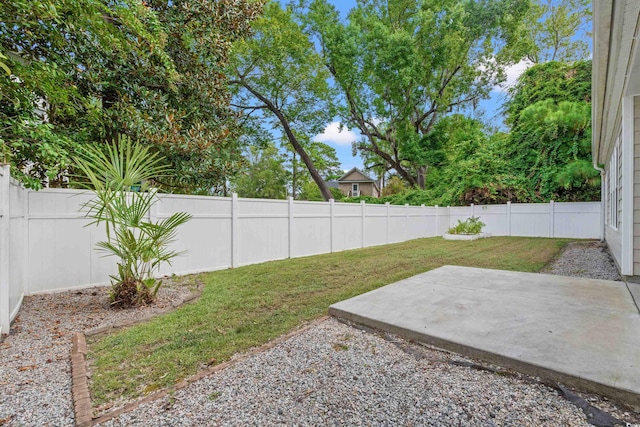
(584, 259)
(335, 374)
(35, 368)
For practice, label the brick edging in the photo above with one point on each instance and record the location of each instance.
(82, 404)
(79, 384)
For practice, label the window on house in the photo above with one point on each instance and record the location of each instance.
(612, 186)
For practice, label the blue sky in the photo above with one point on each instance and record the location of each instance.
(341, 139)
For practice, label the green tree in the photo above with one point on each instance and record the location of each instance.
(551, 30)
(550, 140)
(264, 175)
(87, 70)
(552, 80)
(325, 160)
(278, 73)
(402, 65)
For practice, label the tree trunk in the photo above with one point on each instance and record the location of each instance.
(324, 189)
(109, 100)
(421, 176)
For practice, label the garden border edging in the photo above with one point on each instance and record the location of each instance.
(467, 237)
(80, 391)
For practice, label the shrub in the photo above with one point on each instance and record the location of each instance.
(119, 175)
(472, 225)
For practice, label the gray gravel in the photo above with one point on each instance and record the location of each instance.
(35, 369)
(585, 259)
(333, 374)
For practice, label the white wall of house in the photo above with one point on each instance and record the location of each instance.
(47, 245)
(616, 117)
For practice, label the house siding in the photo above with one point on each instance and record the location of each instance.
(636, 186)
(613, 235)
(366, 188)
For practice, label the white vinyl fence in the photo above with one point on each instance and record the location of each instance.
(46, 246)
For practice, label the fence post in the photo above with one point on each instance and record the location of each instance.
(509, 218)
(25, 237)
(332, 219)
(388, 224)
(234, 230)
(153, 209)
(552, 215)
(473, 211)
(290, 199)
(362, 203)
(406, 222)
(424, 220)
(448, 217)
(5, 308)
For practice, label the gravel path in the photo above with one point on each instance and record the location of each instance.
(585, 259)
(35, 368)
(331, 374)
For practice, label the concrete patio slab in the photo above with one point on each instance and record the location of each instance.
(579, 332)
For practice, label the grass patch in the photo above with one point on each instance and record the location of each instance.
(251, 305)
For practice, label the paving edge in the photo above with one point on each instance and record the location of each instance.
(79, 384)
(626, 397)
(82, 399)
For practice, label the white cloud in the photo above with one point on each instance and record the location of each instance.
(333, 134)
(513, 72)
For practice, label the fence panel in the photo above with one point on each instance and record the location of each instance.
(17, 245)
(62, 251)
(494, 217)
(416, 222)
(397, 224)
(530, 219)
(375, 225)
(263, 230)
(577, 220)
(311, 229)
(347, 226)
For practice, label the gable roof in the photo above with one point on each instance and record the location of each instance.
(353, 170)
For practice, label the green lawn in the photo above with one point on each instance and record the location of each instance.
(249, 306)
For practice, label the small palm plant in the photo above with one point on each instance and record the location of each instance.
(113, 172)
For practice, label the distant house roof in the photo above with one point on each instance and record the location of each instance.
(362, 178)
(333, 184)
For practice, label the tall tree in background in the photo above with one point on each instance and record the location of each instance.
(193, 125)
(550, 140)
(325, 160)
(89, 69)
(401, 65)
(51, 105)
(551, 31)
(263, 175)
(279, 77)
